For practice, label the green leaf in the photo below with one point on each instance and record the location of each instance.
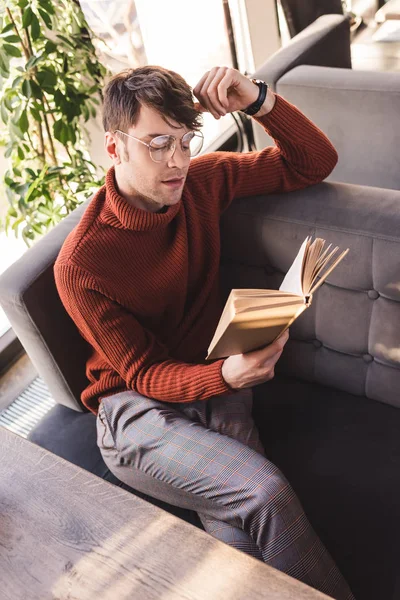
(66, 41)
(4, 113)
(37, 227)
(8, 152)
(8, 27)
(44, 210)
(36, 115)
(85, 112)
(49, 47)
(12, 212)
(64, 134)
(36, 91)
(17, 81)
(27, 88)
(46, 79)
(4, 63)
(16, 223)
(35, 28)
(48, 7)
(23, 122)
(12, 50)
(27, 17)
(46, 18)
(16, 130)
(57, 127)
(34, 60)
(12, 39)
(23, 3)
(21, 154)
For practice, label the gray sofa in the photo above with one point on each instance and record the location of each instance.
(358, 110)
(330, 417)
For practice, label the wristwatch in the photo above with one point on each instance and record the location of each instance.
(255, 107)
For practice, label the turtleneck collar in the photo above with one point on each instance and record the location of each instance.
(117, 212)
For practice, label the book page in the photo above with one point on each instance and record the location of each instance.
(293, 278)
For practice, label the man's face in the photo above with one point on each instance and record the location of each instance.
(138, 177)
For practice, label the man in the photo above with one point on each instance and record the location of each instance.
(139, 276)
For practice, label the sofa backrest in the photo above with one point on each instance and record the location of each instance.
(29, 298)
(350, 336)
(359, 112)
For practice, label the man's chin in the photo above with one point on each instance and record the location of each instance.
(171, 199)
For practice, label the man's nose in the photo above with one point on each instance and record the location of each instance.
(179, 157)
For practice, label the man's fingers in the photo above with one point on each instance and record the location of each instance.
(208, 93)
(214, 92)
(268, 352)
(205, 97)
(199, 85)
(222, 89)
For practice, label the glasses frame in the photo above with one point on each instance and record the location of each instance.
(149, 146)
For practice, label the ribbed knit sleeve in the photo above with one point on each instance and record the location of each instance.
(131, 350)
(303, 156)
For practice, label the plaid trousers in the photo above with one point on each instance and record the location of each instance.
(207, 456)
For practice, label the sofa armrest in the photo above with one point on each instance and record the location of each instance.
(350, 336)
(29, 298)
(359, 112)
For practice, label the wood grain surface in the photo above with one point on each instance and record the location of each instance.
(66, 534)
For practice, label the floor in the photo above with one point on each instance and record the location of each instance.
(367, 53)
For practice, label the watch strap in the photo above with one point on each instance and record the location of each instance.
(255, 107)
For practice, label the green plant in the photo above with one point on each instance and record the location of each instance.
(50, 85)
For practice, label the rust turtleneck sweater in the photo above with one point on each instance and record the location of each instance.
(143, 288)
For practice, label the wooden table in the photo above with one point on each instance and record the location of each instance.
(66, 534)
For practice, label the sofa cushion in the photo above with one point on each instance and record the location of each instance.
(341, 453)
(72, 435)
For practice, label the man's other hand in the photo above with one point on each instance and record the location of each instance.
(223, 90)
(245, 370)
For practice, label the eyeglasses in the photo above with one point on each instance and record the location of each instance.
(162, 147)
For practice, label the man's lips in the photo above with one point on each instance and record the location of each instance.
(176, 182)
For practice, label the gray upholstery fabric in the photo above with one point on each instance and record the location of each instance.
(359, 112)
(30, 300)
(349, 338)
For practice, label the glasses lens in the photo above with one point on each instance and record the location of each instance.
(192, 142)
(162, 147)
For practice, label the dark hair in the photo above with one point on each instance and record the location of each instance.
(161, 89)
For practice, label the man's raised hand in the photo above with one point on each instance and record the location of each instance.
(223, 90)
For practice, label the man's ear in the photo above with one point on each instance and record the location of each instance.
(110, 145)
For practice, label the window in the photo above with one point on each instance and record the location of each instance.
(187, 37)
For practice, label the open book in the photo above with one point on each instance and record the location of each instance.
(252, 319)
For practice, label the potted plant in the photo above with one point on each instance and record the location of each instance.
(50, 85)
